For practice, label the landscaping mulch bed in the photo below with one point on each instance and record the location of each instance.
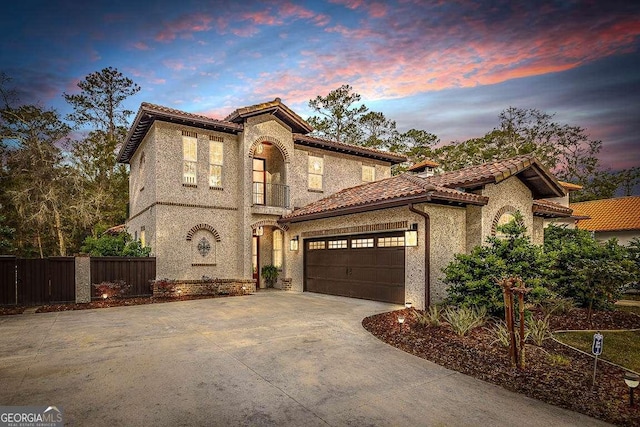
(14, 309)
(119, 302)
(554, 373)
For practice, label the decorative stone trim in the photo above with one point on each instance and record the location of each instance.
(206, 287)
(269, 223)
(387, 226)
(216, 188)
(189, 185)
(203, 265)
(207, 227)
(275, 141)
(503, 210)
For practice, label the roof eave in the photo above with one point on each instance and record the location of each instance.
(385, 204)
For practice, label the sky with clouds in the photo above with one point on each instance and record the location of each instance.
(448, 67)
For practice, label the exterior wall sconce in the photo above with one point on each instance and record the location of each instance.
(411, 236)
(258, 231)
(294, 244)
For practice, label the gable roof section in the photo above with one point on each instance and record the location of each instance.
(526, 167)
(549, 209)
(276, 108)
(619, 214)
(341, 147)
(391, 192)
(149, 113)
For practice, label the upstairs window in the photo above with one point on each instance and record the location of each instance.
(368, 173)
(190, 158)
(216, 160)
(316, 171)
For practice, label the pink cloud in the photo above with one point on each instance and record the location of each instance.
(141, 46)
(184, 26)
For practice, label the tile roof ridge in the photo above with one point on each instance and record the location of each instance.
(427, 186)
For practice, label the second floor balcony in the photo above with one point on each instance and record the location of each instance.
(274, 195)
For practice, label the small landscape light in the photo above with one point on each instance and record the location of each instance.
(632, 380)
(105, 296)
(401, 321)
(408, 304)
(179, 291)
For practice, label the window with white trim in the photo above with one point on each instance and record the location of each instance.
(190, 157)
(277, 248)
(216, 160)
(388, 242)
(337, 244)
(362, 243)
(316, 245)
(316, 171)
(368, 173)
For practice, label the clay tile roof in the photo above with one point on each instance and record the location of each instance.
(313, 141)
(148, 113)
(275, 107)
(570, 186)
(549, 209)
(395, 191)
(424, 164)
(617, 214)
(527, 167)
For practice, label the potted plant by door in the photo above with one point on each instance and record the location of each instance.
(270, 275)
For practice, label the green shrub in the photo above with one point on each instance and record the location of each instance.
(119, 244)
(465, 319)
(472, 278)
(556, 305)
(591, 273)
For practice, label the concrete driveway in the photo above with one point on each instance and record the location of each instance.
(273, 358)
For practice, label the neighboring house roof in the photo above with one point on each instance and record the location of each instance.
(148, 113)
(569, 186)
(117, 229)
(420, 166)
(619, 214)
(549, 209)
(311, 141)
(276, 108)
(391, 192)
(535, 176)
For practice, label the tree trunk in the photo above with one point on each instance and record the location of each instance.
(61, 246)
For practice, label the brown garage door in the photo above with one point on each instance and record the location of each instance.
(362, 266)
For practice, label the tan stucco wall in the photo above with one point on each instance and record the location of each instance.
(624, 237)
(510, 192)
(175, 254)
(447, 239)
(340, 171)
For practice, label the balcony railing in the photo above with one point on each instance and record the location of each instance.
(271, 194)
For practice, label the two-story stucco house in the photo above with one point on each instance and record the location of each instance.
(206, 195)
(222, 198)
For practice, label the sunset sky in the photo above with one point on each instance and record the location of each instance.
(448, 67)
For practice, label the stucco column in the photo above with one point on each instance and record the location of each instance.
(83, 278)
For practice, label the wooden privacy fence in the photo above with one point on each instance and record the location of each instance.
(33, 281)
(36, 281)
(134, 271)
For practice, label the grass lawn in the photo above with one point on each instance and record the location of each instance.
(622, 348)
(629, 308)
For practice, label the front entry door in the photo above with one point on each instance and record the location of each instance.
(255, 260)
